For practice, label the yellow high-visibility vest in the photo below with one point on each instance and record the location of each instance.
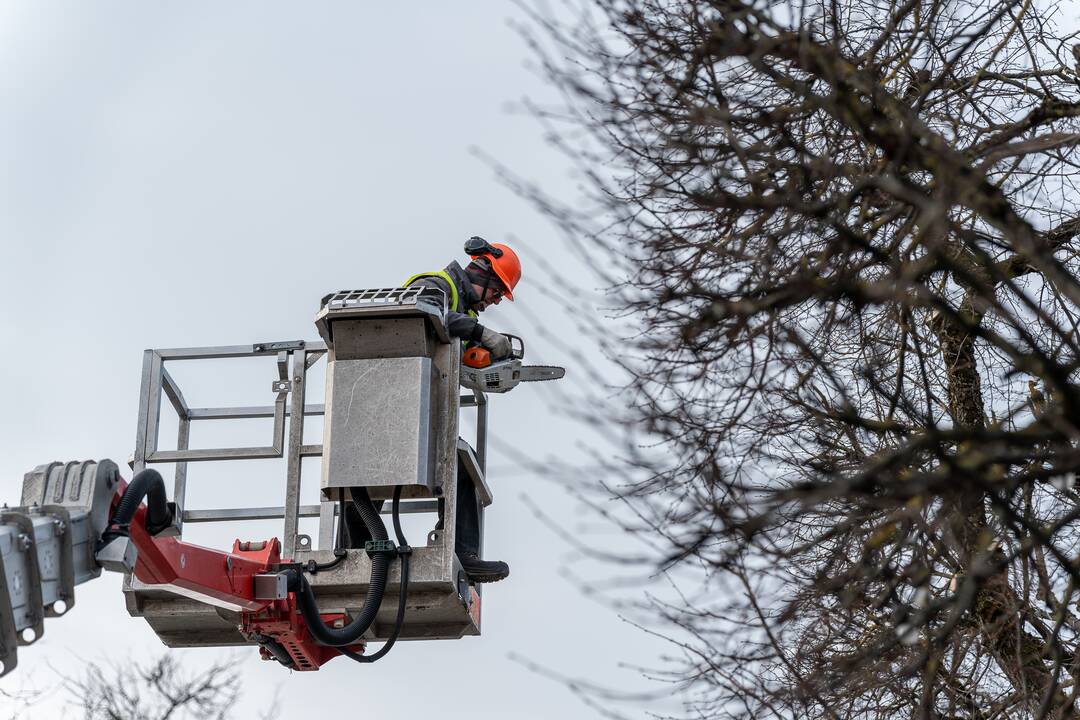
(442, 274)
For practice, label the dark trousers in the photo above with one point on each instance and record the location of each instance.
(467, 535)
(468, 515)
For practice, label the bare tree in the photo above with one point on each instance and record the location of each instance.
(848, 231)
(158, 690)
(16, 703)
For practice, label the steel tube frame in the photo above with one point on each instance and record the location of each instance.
(294, 463)
(293, 360)
(304, 511)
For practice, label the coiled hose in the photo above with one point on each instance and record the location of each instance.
(149, 485)
(380, 565)
(404, 552)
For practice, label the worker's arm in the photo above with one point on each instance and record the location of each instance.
(459, 324)
(467, 327)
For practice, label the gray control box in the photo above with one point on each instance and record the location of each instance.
(379, 424)
(391, 393)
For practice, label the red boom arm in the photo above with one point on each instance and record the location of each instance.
(227, 579)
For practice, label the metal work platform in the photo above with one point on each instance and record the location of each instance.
(391, 418)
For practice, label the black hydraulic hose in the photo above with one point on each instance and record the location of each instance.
(398, 621)
(368, 513)
(149, 485)
(274, 648)
(380, 563)
(405, 552)
(396, 516)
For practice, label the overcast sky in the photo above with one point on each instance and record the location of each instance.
(179, 174)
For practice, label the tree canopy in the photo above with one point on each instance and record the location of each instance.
(848, 235)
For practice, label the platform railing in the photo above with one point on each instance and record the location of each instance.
(293, 360)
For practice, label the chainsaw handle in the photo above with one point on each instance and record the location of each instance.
(517, 352)
(477, 356)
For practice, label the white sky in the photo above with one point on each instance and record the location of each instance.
(181, 174)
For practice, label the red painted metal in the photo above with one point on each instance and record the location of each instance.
(227, 579)
(283, 622)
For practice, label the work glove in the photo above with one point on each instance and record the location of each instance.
(497, 343)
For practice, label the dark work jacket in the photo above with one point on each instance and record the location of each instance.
(459, 322)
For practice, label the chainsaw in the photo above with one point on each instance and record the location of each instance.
(479, 371)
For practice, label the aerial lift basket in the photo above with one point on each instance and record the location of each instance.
(391, 419)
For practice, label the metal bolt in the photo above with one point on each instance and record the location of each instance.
(59, 527)
(25, 543)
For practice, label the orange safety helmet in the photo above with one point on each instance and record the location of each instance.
(504, 262)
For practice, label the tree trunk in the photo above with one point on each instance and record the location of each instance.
(1019, 654)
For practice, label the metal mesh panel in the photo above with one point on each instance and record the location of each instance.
(347, 299)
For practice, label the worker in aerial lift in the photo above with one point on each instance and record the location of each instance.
(491, 275)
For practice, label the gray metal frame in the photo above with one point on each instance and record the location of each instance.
(294, 359)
